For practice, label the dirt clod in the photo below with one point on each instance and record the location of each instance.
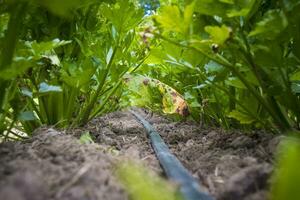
(212, 155)
(53, 165)
(247, 181)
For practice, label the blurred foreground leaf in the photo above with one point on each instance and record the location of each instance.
(143, 185)
(287, 176)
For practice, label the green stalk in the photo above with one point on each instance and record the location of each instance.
(257, 72)
(220, 112)
(248, 111)
(231, 100)
(99, 109)
(71, 102)
(294, 100)
(11, 36)
(114, 89)
(8, 50)
(88, 109)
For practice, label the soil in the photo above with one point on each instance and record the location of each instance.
(55, 165)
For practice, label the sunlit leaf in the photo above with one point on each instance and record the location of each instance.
(171, 19)
(219, 35)
(123, 15)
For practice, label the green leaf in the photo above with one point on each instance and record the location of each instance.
(212, 7)
(272, 24)
(27, 116)
(123, 15)
(213, 67)
(241, 117)
(156, 56)
(244, 8)
(227, 1)
(63, 8)
(45, 88)
(18, 67)
(86, 138)
(42, 48)
(170, 19)
(109, 55)
(235, 82)
(26, 92)
(295, 76)
(286, 178)
(296, 87)
(219, 35)
(78, 75)
(188, 15)
(143, 185)
(54, 60)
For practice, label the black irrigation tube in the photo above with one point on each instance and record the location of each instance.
(189, 187)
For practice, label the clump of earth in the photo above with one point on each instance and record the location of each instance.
(54, 165)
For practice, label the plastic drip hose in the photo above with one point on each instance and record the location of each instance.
(189, 187)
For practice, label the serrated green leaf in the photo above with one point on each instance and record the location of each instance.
(219, 35)
(170, 19)
(78, 75)
(123, 15)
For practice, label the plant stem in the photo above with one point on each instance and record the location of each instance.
(115, 88)
(87, 111)
(7, 53)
